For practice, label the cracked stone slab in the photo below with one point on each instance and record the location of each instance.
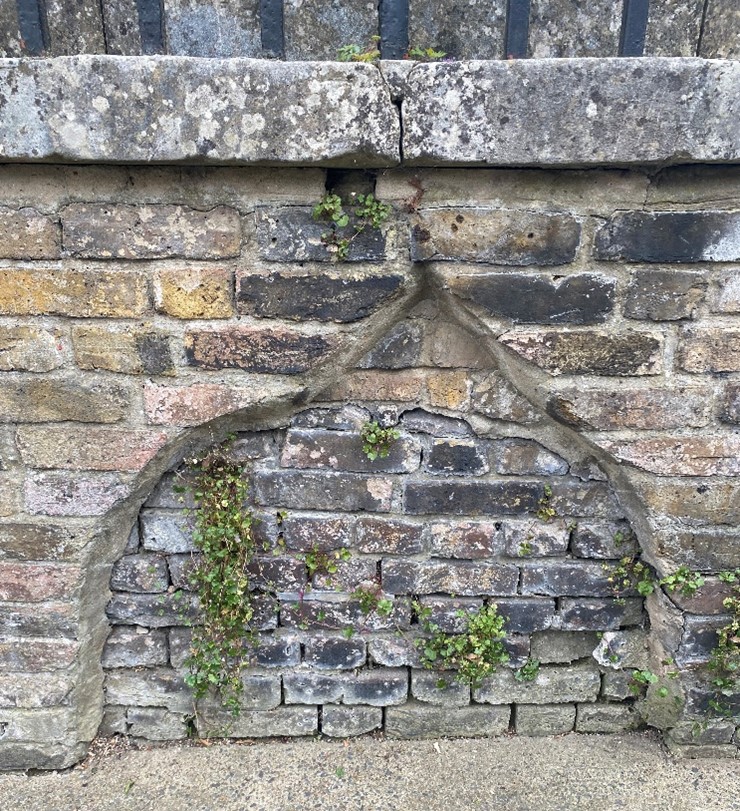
(572, 112)
(182, 109)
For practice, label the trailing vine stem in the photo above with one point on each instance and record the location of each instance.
(223, 535)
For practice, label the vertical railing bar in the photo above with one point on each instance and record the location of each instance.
(272, 27)
(151, 29)
(394, 28)
(516, 38)
(31, 26)
(634, 27)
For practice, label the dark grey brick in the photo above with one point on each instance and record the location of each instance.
(536, 538)
(538, 299)
(126, 647)
(378, 688)
(670, 236)
(521, 457)
(607, 540)
(346, 418)
(555, 647)
(424, 422)
(460, 457)
(316, 296)
(664, 295)
(450, 577)
(277, 573)
(466, 539)
(599, 615)
(417, 720)
(394, 651)
(309, 490)
(699, 639)
(334, 653)
(472, 498)
(389, 536)
(140, 573)
(277, 651)
(398, 349)
(524, 616)
(450, 613)
(324, 533)
(152, 610)
(572, 579)
(166, 532)
(338, 721)
(291, 234)
(441, 689)
(336, 616)
(340, 450)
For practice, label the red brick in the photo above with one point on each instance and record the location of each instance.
(34, 582)
(64, 493)
(88, 448)
(37, 655)
(709, 349)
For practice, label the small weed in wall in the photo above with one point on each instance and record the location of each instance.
(377, 441)
(356, 53)
(224, 536)
(366, 212)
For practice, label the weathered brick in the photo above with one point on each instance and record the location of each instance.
(324, 533)
(334, 653)
(88, 448)
(349, 575)
(699, 639)
(730, 404)
(323, 491)
(73, 292)
(631, 407)
(536, 539)
(449, 345)
(281, 722)
(388, 536)
(702, 502)
(333, 615)
(11, 494)
(166, 532)
(554, 684)
(660, 295)
(623, 649)
(419, 421)
(617, 685)
(466, 539)
(590, 352)
(194, 292)
(344, 722)
(30, 349)
(522, 457)
(35, 582)
(56, 620)
(433, 688)
(607, 540)
(48, 724)
(465, 579)
(709, 349)
(495, 237)
(394, 651)
(35, 542)
(449, 390)
(180, 568)
(577, 579)
(398, 349)
(457, 456)
(670, 236)
(450, 614)
(253, 349)
(140, 647)
(152, 610)
(150, 232)
(599, 615)
(472, 498)
(277, 574)
(378, 386)
(59, 400)
(680, 456)
(606, 718)
(534, 720)
(380, 687)
(29, 691)
(277, 651)
(155, 724)
(556, 647)
(27, 234)
(261, 691)
(131, 351)
(588, 499)
(65, 493)
(709, 599)
(325, 296)
(291, 234)
(343, 451)
(179, 640)
(524, 616)
(493, 396)
(345, 418)
(37, 655)
(143, 573)
(152, 687)
(538, 299)
(416, 720)
(726, 298)
(197, 403)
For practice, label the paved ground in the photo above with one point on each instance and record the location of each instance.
(570, 773)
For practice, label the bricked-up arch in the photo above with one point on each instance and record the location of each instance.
(449, 518)
(146, 310)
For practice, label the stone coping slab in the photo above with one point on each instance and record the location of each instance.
(545, 112)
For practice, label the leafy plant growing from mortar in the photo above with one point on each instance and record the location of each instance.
(377, 441)
(367, 213)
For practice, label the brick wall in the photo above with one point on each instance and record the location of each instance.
(575, 328)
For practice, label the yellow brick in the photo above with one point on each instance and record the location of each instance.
(448, 389)
(194, 293)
